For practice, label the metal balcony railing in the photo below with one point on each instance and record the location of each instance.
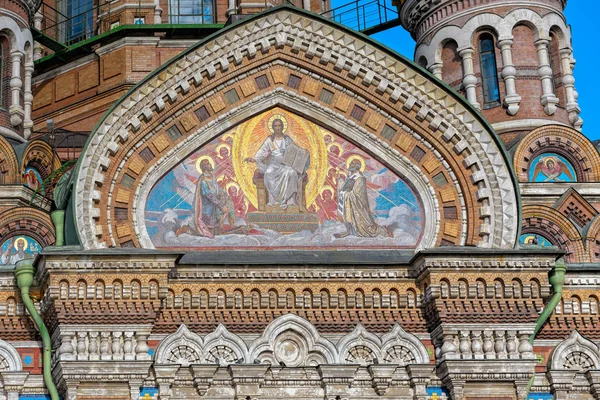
(366, 16)
(92, 19)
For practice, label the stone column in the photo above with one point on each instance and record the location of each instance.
(512, 100)
(37, 24)
(436, 70)
(16, 83)
(157, 12)
(549, 99)
(231, 8)
(469, 79)
(569, 83)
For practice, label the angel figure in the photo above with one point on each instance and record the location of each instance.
(552, 168)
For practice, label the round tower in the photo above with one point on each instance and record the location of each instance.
(16, 68)
(511, 60)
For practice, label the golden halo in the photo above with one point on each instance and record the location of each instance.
(545, 160)
(220, 146)
(273, 118)
(338, 147)
(17, 240)
(252, 134)
(227, 135)
(529, 239)
(230, 184)
(199, 160)
(327, 187)
(359, 158)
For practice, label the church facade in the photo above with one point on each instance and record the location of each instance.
(246, 201)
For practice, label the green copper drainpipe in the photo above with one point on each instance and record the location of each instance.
(556, 277)
(24, 272)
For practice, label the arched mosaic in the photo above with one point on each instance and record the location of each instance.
(279, 180)
(19, 248)
(534, 239)
(551, 167)
(33, 180)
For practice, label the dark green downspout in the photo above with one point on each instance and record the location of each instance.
(556, 277)
(24, 272)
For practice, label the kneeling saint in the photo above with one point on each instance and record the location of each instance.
(353, 204)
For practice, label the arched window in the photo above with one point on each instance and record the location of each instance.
(489, 73)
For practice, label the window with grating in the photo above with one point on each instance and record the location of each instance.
(127, 180)
(440, 179)
(357, 113)
(202, 114)
(326, 96)
(262, 82)
(388, 132)
(174, 132)
(147, 155)
(294, 81)
(450, 212)
(121, 214)
(417, 153)
(231, 96)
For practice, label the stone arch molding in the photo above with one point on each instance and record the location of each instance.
(575, 353)
(503, 27)
(9, 358)
(294, 342)
(452, 123)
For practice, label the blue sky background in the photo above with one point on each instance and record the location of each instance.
(585, 28)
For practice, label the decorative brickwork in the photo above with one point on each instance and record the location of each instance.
(561, 140)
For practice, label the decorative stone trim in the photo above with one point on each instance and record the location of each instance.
(27, 221)
(552, 224)
(565, 141)
(279, 29)
(293, 341)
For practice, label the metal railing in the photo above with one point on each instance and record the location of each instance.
(367, 16)
(69, 28)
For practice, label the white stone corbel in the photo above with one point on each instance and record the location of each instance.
(569, 84)
(469, 78)
(512, 100)
(16, 83)
(549, 99)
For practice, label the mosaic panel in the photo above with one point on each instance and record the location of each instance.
(437, 393)
(33, 180)
(18, 248)
(550, 167)
(279, 180)
(534, 239)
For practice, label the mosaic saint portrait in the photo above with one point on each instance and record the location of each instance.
(279, 180)
(19, 248)
(551, 167)
(33, 180)
(534, 239)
